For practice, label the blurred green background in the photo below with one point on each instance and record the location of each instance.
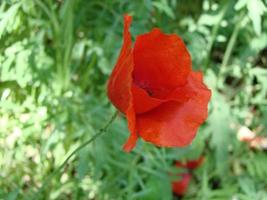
(55, 58)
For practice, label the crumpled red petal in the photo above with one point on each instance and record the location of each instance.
(180, 187)
(162, 62)
(142, 101)
(120, 81)
(131, 141)
(191, 164)
(120, 84)
(175, 123)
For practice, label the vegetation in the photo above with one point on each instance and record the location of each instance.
(55, 58)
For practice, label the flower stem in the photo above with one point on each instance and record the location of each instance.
(75, 151)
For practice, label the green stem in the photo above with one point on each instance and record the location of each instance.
(231, 44)
(214, 34)
(75, 151)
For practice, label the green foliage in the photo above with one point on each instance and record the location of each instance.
(55, 58)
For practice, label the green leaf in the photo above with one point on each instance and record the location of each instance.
(240, 4)
(158, 189)
(255, 11)
(219, 125)
(7, 18)
(164, 7)
(13, 195)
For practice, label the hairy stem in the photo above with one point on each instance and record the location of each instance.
(75, 151)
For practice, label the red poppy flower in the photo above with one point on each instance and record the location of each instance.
(154, 86)
(191, 164)
(180, 186)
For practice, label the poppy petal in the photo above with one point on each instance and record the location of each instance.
(131, 119)
(193, 164)
(162, 62)
(120, 84)
(142, 101)
(180, 187)
(120, 81)
(175, 123)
